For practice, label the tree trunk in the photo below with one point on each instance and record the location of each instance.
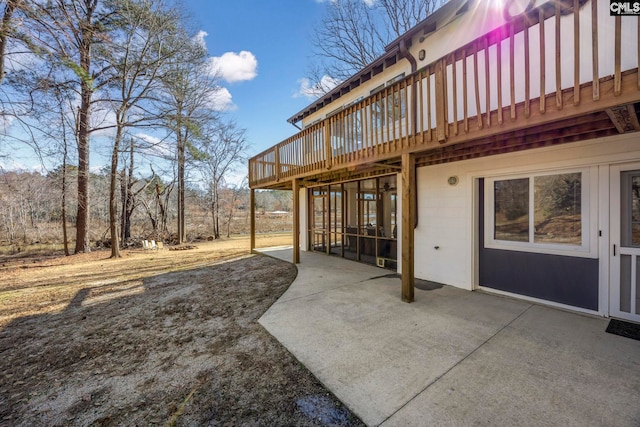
(82, 219)
(4, 32)
(113, 185)
(123, 204)
(130, 199)
(163, 211)
(217, 212)
(84, 115)
(182, 235)
(63, 209)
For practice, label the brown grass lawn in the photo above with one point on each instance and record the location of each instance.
(154, 338)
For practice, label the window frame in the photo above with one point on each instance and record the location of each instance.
(588, 212)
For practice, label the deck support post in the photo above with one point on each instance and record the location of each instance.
(408, 223)
(296, 220)
(252, 226)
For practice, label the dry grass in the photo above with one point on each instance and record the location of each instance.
(47, 283)
(157, 337)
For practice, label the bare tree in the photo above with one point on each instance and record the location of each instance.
(402, 15)
(353, 33)
(156, 208)
(235, 197)
(63, 34)
(190, 91)
(347, 38)
(137, 56)
(223, 148)
(130, 189)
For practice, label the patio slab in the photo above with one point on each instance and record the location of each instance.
(452, 357)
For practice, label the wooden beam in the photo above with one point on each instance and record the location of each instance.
(543, 70)
(441, 121)
(476, 85)
(617, 57)
(465, 106)
(408, 221)
(252, 223)
(572, 129)
(499, 78)
(527, 70)
(512, 84)
(295, 185)
(624, 118)
(576, 52)
(327, 146)
(594, 46)
(487, 81)
(277, 155)
(633, 117)
(558, 59)
(454, 85)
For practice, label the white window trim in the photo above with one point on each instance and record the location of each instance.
(589, 246)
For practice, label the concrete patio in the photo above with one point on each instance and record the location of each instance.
(452, 357)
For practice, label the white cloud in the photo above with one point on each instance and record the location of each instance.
(199, 38)
(221, 100)
(235, 67)
(314, 91)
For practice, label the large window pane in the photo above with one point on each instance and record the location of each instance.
(511, 198)
(557, 209)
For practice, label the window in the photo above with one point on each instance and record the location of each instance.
(546, 213)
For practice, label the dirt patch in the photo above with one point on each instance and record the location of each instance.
(143, 348)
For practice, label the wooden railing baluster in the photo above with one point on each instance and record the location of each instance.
(617, 78)
(576, 52)
(594, 47)
(499, 75)
(512, 79)
(487, 80)
(558, 58)
(543, 89)
(396, 119)
(454, 94)
(477, 84)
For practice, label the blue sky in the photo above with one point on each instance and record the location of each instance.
(261, 48)
(277, 34)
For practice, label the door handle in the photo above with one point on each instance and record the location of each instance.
(614, 250)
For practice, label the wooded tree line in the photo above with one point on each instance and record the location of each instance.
(129, 76)
(31, 209)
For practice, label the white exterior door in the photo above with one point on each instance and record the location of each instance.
(624, 298)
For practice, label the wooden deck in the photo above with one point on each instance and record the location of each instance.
(482, 99)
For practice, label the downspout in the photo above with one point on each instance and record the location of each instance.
(405, 53)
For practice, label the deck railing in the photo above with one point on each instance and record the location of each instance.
(538, 62)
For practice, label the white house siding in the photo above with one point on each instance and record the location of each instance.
(360, 92)
(448, 214)
(443, 212)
